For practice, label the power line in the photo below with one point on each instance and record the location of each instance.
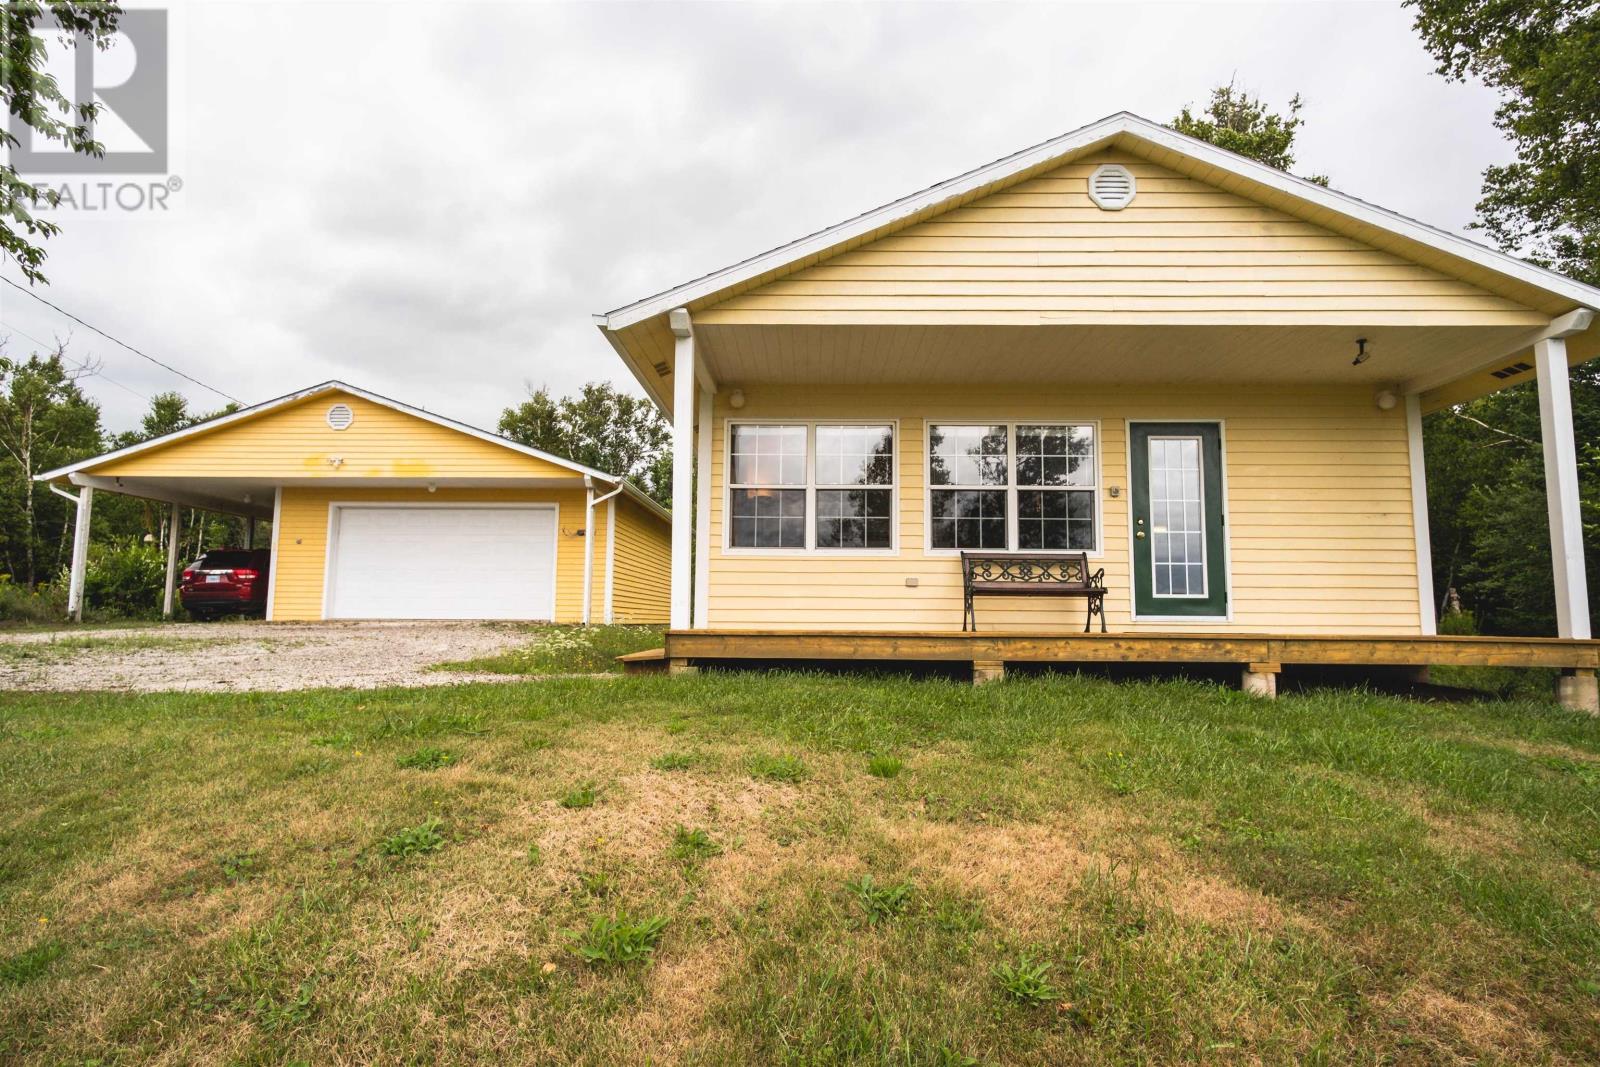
(124, 344)
(81, 366)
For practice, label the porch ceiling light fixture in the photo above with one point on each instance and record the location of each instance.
(1362, 355)
(1385, 399)
(736, 399)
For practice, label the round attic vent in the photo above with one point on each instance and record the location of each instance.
(340, 417)
(1111, 187)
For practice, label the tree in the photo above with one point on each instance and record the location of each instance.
(45, 422)
(31, 95)
(1543, 57)
(601, 428)
(1241, 123)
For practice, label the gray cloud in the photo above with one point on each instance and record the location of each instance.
(430, 199)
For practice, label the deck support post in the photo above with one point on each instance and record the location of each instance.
(172, 561)
(683, 412)
(1578, 690)
(1561, 488)
(80, 554)
(987, 670)
(1260, 679)
(678, 665)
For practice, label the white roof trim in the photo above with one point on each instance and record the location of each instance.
(1078, 140)
(317, 390)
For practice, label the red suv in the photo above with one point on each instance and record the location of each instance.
(226, 581)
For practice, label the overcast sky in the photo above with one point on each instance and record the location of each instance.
(429, 200)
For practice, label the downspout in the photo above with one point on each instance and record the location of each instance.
(590, 501)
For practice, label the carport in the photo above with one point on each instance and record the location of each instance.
(381, 510)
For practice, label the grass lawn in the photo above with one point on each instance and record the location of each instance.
(565, 650)
(810, 870)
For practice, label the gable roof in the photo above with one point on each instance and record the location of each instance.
(334, 386)
(1329, 208)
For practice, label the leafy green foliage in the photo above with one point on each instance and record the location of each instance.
(125, 578)
(1543, 57)
(413, 840)
(601, 427)
(29, 93)
(776, 768)
(693, 845)
(880, 902)
(1241, 123)
(620, 939)
(1027, 980)
(1486, 504)
(426, 758)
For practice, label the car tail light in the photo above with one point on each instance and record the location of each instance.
(188, 575)
(246, 574)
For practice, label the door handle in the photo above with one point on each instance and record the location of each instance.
(1139, 534)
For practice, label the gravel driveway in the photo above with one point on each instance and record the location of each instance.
(252, 656)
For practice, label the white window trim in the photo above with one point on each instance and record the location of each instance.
(1011, 487)
(810, 548)
(1227, 527)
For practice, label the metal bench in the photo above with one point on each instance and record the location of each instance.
(1031, 574)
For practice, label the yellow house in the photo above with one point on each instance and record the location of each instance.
(382, 510)
(1204, 374)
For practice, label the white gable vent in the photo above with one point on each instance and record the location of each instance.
(340, 417)
(1111, 187)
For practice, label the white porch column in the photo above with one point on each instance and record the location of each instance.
(1428, 617)
(172, 561)
(683, 411)
(611, 560)
(702, 516)
(588, 547)
(1561, 488)
(80, 553)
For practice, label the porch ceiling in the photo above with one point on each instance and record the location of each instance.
(1400, 356)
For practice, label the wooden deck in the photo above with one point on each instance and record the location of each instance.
(1260, 657)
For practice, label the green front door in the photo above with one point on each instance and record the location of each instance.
(1179, 562)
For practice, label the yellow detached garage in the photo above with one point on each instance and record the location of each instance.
(380, 510)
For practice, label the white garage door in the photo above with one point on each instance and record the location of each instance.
(442, 563)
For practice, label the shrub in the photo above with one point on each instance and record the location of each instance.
(125, 578)
(622, 939)
(44, 603)
(413, 840)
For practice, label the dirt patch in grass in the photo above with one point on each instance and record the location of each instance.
(1489, 1024)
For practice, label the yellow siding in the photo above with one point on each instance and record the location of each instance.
(302, 542)
(296, 442)
(1318, 512)
(643, 589)
(1183, 251)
